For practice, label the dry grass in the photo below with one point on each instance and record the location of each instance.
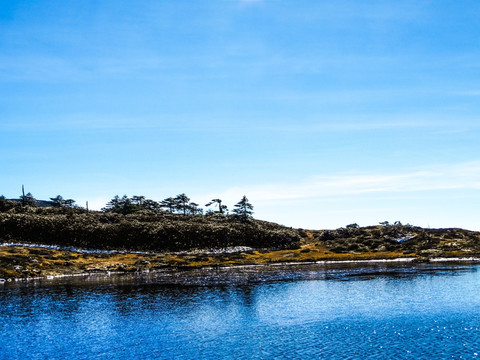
(28, 262)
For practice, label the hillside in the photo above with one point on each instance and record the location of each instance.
(140, 231)
(177, 241)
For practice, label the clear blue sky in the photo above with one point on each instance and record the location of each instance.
(324, 113)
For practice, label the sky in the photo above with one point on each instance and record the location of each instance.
(323, 113)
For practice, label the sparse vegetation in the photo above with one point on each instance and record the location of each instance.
(177, 225)
(403, 239)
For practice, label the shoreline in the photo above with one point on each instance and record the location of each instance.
(38, 243)
(95, 271)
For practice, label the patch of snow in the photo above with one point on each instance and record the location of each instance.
(78, 250)
(228, 250)
(473, 259)
(365, 261)
(404, 238)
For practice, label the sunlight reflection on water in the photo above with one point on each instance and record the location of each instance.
(287, 312)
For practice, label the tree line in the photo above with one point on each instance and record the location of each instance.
(29, 200)
(180, 204)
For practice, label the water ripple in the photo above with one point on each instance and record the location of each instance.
(430, 312)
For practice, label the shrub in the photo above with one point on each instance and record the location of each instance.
(142, 231)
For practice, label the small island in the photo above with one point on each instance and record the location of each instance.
(57, 238)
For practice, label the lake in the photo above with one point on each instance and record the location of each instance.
(340, 311)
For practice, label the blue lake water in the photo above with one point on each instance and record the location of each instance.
(285, 312)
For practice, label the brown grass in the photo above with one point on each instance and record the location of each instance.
(28, 262)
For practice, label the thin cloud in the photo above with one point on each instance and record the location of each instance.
(350, 126)
(443, 177)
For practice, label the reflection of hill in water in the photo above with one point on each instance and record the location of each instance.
(372, 311)
(251, 275)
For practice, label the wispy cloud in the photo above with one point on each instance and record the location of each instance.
(359, 125)
(442, 177)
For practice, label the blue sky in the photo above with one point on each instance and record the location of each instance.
(323, 113)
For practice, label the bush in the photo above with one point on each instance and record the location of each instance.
(142, 231)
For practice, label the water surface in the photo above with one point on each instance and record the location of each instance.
(283, 312)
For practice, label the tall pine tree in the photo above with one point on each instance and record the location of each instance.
(243, 209)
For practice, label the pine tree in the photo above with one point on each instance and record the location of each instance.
(182, 203)
(60, 202)
(151, 205)
(193, 209)
(243, 209)
(221, 208)
(28, 200)
(113, 205)
(169, 204)
(119, 205)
